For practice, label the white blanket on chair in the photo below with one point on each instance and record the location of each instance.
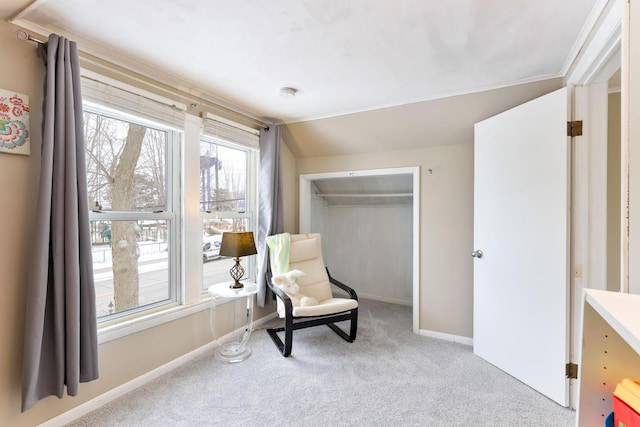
(279, 247)
(279, 250)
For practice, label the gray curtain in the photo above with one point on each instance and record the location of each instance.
(270, 220)
(60, 347)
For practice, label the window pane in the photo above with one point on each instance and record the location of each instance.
(215, 269)
(125, 164)
(223, 182)
(130, 263)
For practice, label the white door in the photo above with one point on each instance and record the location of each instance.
(521, 226)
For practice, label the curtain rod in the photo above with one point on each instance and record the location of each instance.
(93, 61)
(23, 35)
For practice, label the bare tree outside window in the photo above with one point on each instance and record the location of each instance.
(126, 168)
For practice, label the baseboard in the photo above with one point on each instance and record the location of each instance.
(95, 403)
(446, 337)
(383, 299)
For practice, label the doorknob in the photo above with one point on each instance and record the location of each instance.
(477, 254)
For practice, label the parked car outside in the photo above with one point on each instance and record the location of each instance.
(211, 247)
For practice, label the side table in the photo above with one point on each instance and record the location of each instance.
(237, 349)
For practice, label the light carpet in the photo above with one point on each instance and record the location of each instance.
(388, 376)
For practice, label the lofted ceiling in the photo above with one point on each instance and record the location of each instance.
(342, 57)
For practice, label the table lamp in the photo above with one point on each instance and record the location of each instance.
(237, 244)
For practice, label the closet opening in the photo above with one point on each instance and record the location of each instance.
(369, 221)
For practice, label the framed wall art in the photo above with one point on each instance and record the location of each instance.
(14, 123)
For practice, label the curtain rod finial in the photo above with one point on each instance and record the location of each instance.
(25, 36)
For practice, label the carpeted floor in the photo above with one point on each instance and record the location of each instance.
(387, 377)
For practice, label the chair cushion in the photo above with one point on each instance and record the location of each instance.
(302, 249)
(329, 306)
(305, 254)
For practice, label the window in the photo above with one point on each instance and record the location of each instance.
(227, 203)
(223, 178)
(132, 183)
(147, 207)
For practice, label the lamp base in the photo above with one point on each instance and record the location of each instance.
(236, 285)
(234, 352)
(236, 272)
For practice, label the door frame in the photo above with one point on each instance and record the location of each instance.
(306, 181)
(587, 79)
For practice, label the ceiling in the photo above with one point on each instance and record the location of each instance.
(444, 121)
(342, 57)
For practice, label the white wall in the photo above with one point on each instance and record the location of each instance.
(613, 193)
(631, 140)
(289, 189)
(22, 72)
(319, 221)
(369, 248)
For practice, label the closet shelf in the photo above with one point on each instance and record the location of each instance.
(364, 195)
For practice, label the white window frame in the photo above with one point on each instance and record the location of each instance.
(171, 214)
(185, 263)
(251, 202)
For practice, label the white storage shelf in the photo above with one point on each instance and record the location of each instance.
(610, 351)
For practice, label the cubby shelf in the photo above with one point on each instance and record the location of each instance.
(610, 351)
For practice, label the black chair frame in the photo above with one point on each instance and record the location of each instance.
(292, 323)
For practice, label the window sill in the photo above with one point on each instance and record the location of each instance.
(145, 321)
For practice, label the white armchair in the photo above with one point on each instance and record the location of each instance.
(305, 254)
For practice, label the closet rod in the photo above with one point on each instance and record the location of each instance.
(364, 195)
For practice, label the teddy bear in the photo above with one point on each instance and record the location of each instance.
(287, 282)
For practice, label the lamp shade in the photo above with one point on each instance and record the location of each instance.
(237, 244)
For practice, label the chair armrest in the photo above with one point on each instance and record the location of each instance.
(349, 290)
(288, 305)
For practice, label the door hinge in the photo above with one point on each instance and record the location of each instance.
(571, 371)
(574, 128)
